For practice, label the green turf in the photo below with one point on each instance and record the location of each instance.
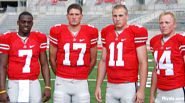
(92, 84)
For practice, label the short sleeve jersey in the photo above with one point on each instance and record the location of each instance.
(121, 60)
(23, 62)
(169, 61)
(73, 55)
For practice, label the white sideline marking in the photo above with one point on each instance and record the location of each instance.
(90, 80)
(150, 67)
(94, 80)
(149, 60)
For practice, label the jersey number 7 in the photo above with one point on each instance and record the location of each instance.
(28, 53)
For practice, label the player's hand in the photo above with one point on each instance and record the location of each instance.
(4, 97)
(98, 94)
(152, 99)
(140, 96)
(46, 95)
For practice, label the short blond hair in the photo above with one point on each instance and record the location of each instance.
(168, 13)
(121, 6)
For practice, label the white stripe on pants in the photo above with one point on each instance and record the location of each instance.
(35, 91)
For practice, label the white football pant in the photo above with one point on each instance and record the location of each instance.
(71, 91)
(170, 96)
(34, 91)
(120, 93)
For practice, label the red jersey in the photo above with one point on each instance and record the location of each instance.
(169, 61)
(0, 43)
(23, 60)
(121, 60)
(73, 55)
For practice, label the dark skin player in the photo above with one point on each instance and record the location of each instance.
(25, 24)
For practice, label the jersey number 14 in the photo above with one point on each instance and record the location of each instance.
(164, 62)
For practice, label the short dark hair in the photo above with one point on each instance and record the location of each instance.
(25, 13)
(121, 6)
(74, 6)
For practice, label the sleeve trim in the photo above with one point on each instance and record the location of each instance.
(4, 46)
(182, 46)
(53, 41)
(53, 38)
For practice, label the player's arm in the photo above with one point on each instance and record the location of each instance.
(153, 85)
(143, 72)
(101, 74)
(93, 55)
(53, 57)
(3, 73)
(184, 59)
(46, 75)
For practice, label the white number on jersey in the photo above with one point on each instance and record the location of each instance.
(119, 61)
(28, 53)
(164, 62)
(76, 46)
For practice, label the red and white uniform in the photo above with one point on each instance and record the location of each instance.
(23, 60)
(73, 55)
(0, 43)
(121, 61)
(169, 61)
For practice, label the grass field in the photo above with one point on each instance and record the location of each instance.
(92, 80)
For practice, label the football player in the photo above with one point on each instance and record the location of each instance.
(73, 50)
(22, 54)
(168, 77)
(124, 51)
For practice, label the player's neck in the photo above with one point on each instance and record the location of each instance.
(23, 34)
(74, 28)
(121, 28)
(168, 35)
